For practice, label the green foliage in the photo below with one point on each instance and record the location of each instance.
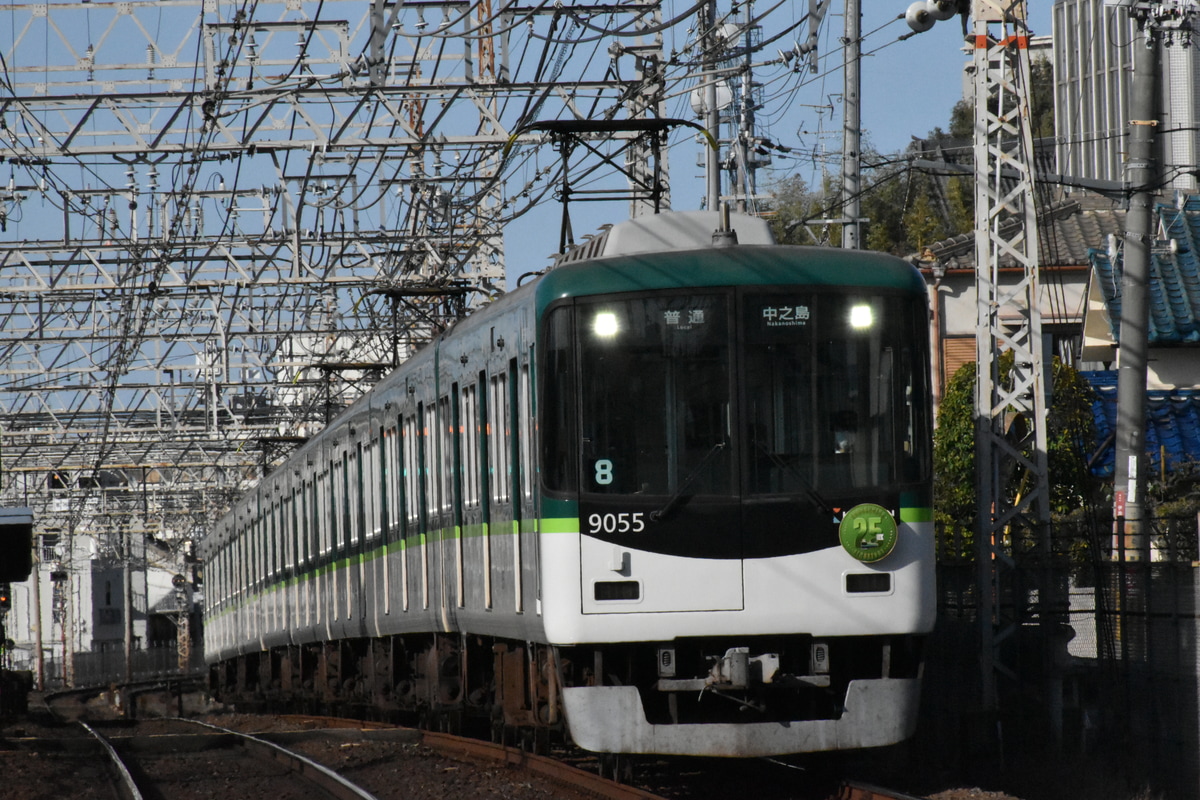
(962, 120)
(1177, 493)
(792, 202)
(1041, 100)
(907, 209)
(883, 205)
(961, 199)
(954, 451)
(922, 224)
(1070, 434)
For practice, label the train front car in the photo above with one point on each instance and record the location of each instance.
(737, 546)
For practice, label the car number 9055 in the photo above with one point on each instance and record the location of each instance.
(624, 522)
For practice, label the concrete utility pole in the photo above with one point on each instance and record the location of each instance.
(1141, 169)
(851, 128)
(712, 114)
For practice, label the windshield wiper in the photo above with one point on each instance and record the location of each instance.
(809, 490)
(678, 498)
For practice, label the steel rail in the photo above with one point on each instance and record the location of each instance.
(127, 788)
(548, 768)
(329, 781)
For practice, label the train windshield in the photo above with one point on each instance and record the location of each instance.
(728, 393)
(654, 389)
(834, 392)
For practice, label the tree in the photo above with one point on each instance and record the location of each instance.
(792, 203)
(1041, 100)
(907, 209)
(1070, 437)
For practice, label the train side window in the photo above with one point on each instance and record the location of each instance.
(389, 460)
(264, 546)
(274, 541)
(527, 432)
(411, 471)
(302, 531)
(277, 553)
(358, 504)
(340, 534)
(255, 551)
(469, 427)
(368, 493)
(378, 494)
(289, 519)
(499, 444)
(321, 513)
(282, 536)
(336, 532)
(248, 557)
(349, 518)
(262, 542)
(445, 455)
(429, 463)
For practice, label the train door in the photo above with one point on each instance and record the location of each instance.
(526, 480)
(389, 502)
(449, 536)
(485, 486)
(360, 531)
(411, 464)
(658, 506)
(476, 541)
(500, 480)
(428, 458)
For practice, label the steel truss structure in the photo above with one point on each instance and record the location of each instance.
(220, 222)
(1010, 408)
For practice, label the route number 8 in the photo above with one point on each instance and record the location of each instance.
(604, 472)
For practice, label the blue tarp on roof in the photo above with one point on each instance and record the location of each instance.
(1172, 424)
(1173, 287)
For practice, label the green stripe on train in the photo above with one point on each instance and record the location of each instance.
(924, 514)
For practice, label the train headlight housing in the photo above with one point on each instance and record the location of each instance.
(868, 532)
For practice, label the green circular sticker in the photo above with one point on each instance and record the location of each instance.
(868, 532)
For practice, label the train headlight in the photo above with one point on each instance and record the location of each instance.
(868, 532)
(605, 324)
(861, 317)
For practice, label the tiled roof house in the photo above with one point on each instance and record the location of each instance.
(1080, 304)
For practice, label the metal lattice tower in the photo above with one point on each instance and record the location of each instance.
(220, 223)
(1010, 412)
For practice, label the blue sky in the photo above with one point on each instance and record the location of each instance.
(908, 88)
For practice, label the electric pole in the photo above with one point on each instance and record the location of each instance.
(712, 114)
(851, 128)
(1141, 171)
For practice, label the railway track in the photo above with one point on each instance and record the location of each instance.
(149, 767)
(181, 759)
(185, 759)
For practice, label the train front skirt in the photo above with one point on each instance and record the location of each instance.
(610, 719)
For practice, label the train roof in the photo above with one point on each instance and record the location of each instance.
(677, 251)
(672, 230)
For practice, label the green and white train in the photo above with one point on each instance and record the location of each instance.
(673, 496)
